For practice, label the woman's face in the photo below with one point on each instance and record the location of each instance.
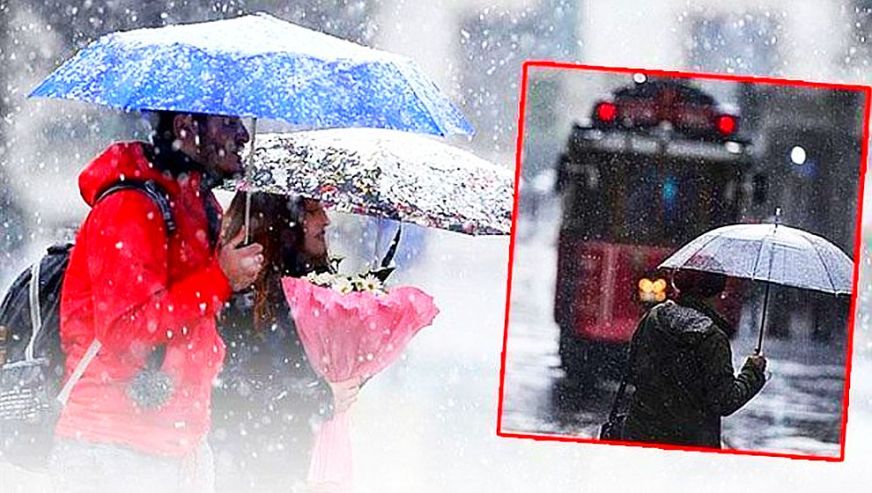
(315, 222)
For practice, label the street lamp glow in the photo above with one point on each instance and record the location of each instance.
(733, 147)
(797, 155)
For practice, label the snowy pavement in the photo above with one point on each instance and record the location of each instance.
(429, 422)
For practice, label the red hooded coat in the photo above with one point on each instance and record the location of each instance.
(133, 287)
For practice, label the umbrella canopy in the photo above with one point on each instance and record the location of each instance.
(383, 173)
(256, 66)
(768, 252)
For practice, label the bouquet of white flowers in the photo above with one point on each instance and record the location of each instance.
(351, 326)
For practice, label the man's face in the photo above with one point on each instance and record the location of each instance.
(315, 222)
(220, 145)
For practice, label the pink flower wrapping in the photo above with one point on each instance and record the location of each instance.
(351, 335)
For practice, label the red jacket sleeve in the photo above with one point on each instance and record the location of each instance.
(135, 304)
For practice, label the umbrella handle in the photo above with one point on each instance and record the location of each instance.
(392, 250)
(759, 349)
(392, 247)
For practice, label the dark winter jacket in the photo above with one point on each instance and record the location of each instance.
(266, 404)
(683, 374)
(134, 287)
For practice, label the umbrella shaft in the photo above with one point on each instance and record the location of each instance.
(248, 192)
(759, 347)
(378, 235)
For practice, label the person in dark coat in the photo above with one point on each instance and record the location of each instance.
(682, 368)
(269, 399)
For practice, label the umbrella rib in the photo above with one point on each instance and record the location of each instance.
(823, 265)
(757, 260)
(424, 102)
(714, 254)
(711, 239)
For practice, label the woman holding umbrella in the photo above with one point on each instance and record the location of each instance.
(269, 397)
(681, 366)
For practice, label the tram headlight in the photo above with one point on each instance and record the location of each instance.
(652, 291)
(645, 285)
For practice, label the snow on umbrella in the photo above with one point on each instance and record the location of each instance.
(383, 173)
(771, 253)
(256, 66)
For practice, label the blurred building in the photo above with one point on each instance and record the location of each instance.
(807, 142)
(801, 40)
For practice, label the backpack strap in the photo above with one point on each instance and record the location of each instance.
(33, 288)
(154, 191)
(64, 394)
(160, 197)
(35, 310)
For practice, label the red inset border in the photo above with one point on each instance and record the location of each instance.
(864, 156)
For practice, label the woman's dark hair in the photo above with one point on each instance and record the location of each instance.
(276, 223)
(698, 283)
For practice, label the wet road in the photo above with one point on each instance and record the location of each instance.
(798, 411)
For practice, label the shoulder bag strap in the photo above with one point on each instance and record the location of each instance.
(613, 414)
(67, 389)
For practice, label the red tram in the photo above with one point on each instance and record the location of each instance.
(660, 164)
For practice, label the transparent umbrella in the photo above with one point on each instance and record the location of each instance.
(771, 253)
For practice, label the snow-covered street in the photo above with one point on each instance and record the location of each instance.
(799, 410)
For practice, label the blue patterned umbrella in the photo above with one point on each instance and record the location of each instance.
(256, 66)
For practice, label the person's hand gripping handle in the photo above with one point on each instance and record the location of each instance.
(241, 264)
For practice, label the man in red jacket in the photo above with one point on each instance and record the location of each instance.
(141, 290)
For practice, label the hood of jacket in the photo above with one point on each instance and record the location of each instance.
(684, 325)
(126, 161)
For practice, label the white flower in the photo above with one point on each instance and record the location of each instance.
(357, 282)
(325, 279)
(372, 284)
(347, 284)
(343, 285)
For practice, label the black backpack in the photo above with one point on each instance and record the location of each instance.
(31, 359)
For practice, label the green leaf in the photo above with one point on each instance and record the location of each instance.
(383, 273)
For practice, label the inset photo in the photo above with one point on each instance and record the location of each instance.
(684, 261)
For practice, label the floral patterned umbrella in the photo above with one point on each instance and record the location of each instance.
(383, 173)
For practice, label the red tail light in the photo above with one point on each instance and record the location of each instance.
(727, 124)
(606, 112)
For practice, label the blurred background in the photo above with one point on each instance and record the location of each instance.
(429, 422)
